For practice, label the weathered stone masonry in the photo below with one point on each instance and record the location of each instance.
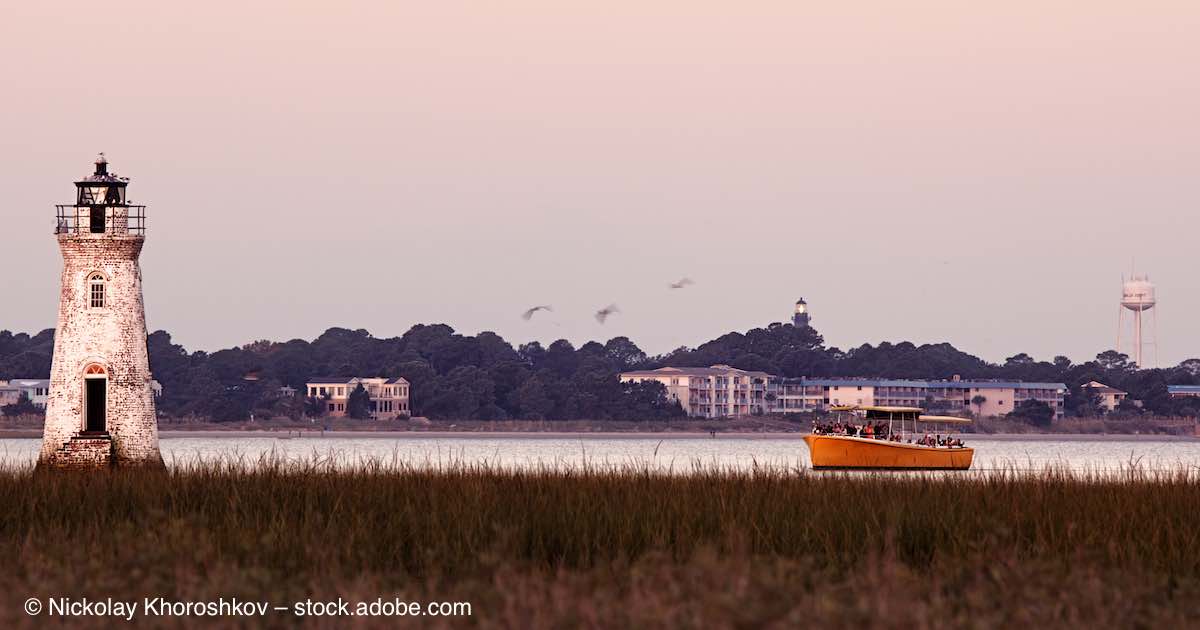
(109, 341)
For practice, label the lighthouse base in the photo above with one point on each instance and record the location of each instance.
(92, 451)
(82, 453)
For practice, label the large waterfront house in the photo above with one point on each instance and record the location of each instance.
(389, 396)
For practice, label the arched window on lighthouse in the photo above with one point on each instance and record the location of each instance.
(96, 291)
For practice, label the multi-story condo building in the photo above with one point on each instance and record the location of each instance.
(984, 398)
(722, 391)
(1183, 391)
(389, 396)
(719, 391)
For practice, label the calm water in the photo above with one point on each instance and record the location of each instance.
(676, 453)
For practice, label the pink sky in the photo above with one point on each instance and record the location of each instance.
(925, 170)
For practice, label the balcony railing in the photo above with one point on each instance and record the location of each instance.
(118, 220)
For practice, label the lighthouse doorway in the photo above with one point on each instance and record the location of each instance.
(95, 403)
(96, 222)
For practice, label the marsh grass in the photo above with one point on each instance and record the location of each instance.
(612, 546)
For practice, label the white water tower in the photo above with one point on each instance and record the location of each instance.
(1137, 295)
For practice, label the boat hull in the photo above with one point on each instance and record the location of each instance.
(841, 451)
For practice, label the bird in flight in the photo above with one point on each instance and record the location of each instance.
(603, 313)
(528, 315)
(683, 282)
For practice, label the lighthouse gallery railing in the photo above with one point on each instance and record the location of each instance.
(123, 220)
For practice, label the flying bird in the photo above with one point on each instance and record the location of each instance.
(603, 313)
(528, 315)
(683, 282)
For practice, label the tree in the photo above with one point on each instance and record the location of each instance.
(1191, 366)
(316, 406)
(1019, 359)
(22, 407)
(1128, 407)
(1034, 412)
(533, 401)
(624, 352)
(1114, 361)
(978, 401)
(1083, 402)
(358, 404)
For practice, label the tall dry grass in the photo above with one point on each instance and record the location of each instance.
(563, 548)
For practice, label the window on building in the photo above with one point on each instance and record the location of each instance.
(332, 407)
(96, 290)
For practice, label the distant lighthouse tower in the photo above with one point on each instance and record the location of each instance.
(100, 411)
(800, 318)
(1137, 295)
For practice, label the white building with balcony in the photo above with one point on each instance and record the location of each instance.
(983, 398)
(719, 391)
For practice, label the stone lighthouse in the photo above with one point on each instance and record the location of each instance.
(100, 411)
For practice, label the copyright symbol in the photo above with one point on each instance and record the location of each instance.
(33, 607)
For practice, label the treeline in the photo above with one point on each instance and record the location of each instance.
(484, 377)
(451, 375)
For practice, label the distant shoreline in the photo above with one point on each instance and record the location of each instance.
(605, 435)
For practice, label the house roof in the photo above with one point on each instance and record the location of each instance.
(716, 370)
(330, 380)
(866, 382)
(29, 382)
(1101, 388)
(721, 370)
(1183, 389)
(345, 380)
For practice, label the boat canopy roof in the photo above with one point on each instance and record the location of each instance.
(945, 419)
(878, 408)
(876, 412)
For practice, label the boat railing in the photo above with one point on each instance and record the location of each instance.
(886, 437)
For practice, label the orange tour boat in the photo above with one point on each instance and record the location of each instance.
(880, 440)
